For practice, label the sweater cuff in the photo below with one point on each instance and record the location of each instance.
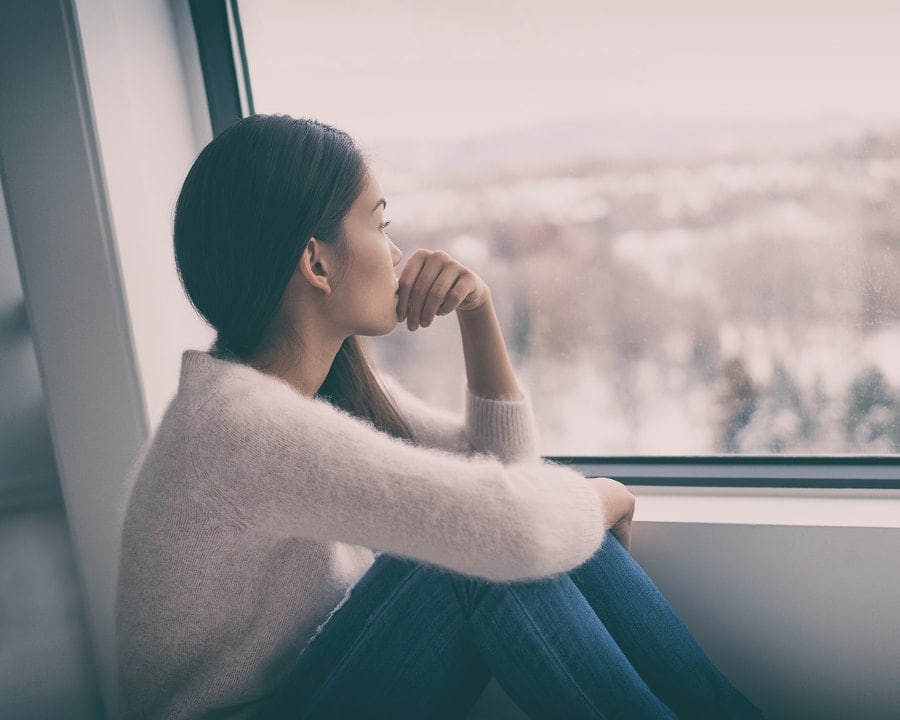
(572, 523)
(588, 503)
(503, 428)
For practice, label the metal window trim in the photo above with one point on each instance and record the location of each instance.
(223, 61)
(745, 471)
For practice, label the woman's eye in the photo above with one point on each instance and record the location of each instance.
(384, 225)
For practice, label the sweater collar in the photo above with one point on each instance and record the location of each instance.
(201, 368)
(199, 364)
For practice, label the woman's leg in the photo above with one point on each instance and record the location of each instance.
(398, 647)
(416, 641)
(654, 639)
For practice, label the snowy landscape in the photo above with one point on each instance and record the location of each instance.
(706, 299)
(689, 213)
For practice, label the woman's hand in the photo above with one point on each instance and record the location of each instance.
(618, 504)
(433, 283)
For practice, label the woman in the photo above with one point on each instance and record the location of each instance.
(305, 541)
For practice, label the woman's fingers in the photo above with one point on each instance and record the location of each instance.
(422, 285)
(453, 297)
(438, 294)
(407, 277)
(622, 532)
(431, 284)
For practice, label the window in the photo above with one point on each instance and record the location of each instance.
(689, 214)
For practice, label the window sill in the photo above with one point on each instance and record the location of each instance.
(814, 507)
(745, 471)
(815, 491)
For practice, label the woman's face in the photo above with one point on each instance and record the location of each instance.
(366, 291)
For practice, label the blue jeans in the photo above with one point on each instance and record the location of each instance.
(417, 641)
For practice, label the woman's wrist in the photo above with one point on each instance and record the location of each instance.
(488, 367)
(618, 507)
(484, 310)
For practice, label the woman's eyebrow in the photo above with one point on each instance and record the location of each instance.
(381, 202)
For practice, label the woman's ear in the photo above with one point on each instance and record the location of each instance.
(315, 265)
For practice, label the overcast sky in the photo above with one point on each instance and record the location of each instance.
(396, 69)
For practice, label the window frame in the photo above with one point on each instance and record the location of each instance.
(863, 472)
(223, 61)
(227, 80)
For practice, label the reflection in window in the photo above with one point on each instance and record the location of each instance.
(689, 214)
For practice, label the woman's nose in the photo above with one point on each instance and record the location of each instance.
(396, 254)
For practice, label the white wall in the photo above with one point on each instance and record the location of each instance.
(149, 109)
(96, 135)
(806, 620)
(26, 453)
(151, 119)
(45, 653)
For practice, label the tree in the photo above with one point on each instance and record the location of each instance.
(873, 412)
(737, 401)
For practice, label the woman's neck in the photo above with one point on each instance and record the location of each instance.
(303, 365)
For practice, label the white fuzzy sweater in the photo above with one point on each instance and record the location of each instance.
(255, 509)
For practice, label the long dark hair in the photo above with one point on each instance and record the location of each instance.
(249, 204)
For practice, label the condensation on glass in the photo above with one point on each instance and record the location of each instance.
(689, 213)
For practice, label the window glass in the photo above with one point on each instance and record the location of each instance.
(687, 212)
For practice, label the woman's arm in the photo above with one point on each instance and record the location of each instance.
(488, 368)
(502, 428)
(271, 458)
(498, 415)
(433, 283)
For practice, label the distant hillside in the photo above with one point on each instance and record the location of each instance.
(620, 142)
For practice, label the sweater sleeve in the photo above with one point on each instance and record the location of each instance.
(502, 428)
(291, 464)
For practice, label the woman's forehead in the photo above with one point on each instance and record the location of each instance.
(370, 198)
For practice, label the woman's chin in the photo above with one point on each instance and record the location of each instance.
(386, 329)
